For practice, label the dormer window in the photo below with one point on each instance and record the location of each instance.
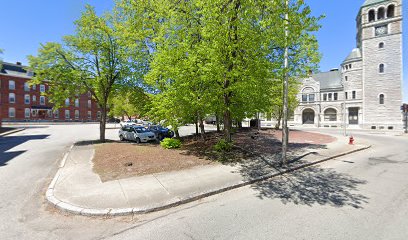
(381, 13)
(390, 11)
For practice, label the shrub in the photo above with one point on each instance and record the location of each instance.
(170, 143)
(223, 146)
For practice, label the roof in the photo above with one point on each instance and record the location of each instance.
(354, 55)
(328, 80)
(371, 2)
(15, 70)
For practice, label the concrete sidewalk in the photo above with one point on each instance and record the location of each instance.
(77, 189)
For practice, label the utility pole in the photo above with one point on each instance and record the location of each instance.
(285, 130)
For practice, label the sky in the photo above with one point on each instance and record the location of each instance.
(27, 23)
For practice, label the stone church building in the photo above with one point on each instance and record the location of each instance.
(366, 92)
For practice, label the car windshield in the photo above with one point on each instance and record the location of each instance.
(140, 130)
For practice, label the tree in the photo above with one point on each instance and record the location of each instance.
(93, 60)
(129, 101)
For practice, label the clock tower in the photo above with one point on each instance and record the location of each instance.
(379, 38)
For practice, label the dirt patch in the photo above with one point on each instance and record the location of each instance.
(122, 160)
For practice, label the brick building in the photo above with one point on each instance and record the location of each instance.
(367, 90)
(21, 102)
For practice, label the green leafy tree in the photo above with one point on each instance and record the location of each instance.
(94, 60)
(129, 101)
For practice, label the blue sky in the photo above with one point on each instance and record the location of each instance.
(27, 23)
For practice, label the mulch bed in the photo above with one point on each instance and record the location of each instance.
(116, 160)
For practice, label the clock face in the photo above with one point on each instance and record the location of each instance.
(380, 30)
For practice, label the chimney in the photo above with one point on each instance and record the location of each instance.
(18, 63)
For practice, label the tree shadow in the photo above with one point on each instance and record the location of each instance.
(314, 185)
(9, 142)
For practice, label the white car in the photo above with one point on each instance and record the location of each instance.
(136, 133)
(126, 123)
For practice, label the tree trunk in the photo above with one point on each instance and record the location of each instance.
(196, 127)
(217, 121)
(239, 123)
(102, 124)
(176, 131)
(277, 125)
(227, 123)
(202, 128)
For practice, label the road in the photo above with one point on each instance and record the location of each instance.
(360, 196)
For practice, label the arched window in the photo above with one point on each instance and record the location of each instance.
(381, 45)
(380, 13)
(308, 95)
(330, 115)
(371, 15)
(381, 98)
(381, 68)
(390, 11)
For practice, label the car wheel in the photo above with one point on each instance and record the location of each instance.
(121, 138)
(137, 140)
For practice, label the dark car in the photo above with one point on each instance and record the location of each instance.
(160, 132)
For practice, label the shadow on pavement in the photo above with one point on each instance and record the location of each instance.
(9, 142)
(314, 185)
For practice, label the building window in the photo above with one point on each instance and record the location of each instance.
(56, 113)
(34, 113)
(76, 114)
(390, 11)
(67, 114)
(380, 13)
(34, 87)
(12, 98)
(371, 15)
(325, 97)
(346, 78)
(353, 94)
(350, 65)
(26, 87)
(346, 95)
(12, 112)
(89, 94)
(330, 96)
(67, 102)
(12, 85)
(27, 99)
(330, 115)
(34, 98)
(42, 88)
(381, 68)
(77, 102)
(89, 114)
(98, 114)
(335, 96)
(382, 99)
(42, 100)
(27, 113)
(381, 45)
(89, 103)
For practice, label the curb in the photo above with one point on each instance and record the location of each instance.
(70, 208)
(11, 132)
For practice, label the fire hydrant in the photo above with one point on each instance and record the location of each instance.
(351, 140)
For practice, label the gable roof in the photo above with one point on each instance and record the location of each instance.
(328, 80)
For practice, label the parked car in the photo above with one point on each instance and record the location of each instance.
(160, 132)
(136, 133)
(127, 123)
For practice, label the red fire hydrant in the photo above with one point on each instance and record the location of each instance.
(351, 140)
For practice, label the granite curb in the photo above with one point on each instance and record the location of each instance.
(11, 132)
(70, 208)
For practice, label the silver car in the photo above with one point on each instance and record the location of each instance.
(136, 133)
